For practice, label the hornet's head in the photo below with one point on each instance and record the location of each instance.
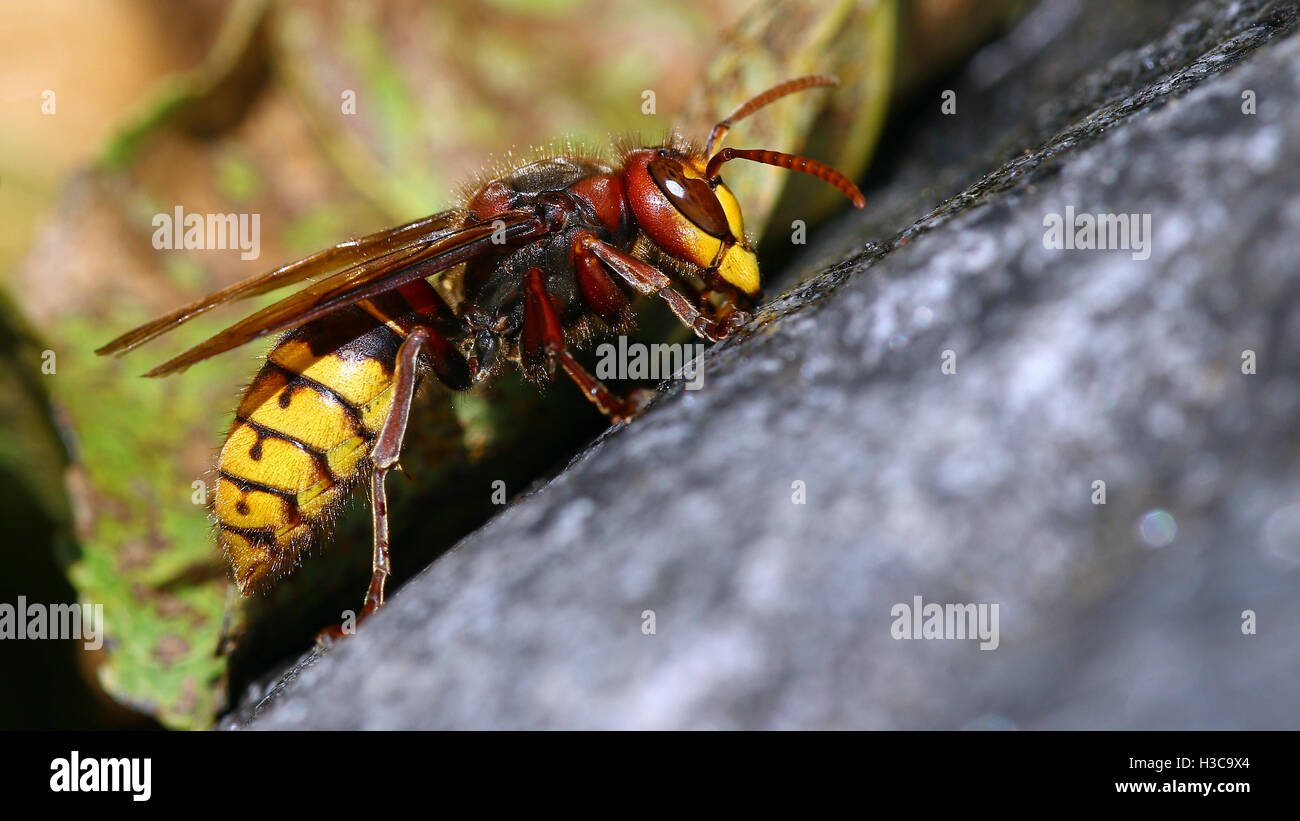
(678, 198)
(689, 216)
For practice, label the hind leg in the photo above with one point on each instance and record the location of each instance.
(384, 455)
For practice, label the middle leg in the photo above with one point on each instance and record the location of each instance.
(543, 339)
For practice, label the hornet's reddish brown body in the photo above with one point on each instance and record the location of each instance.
(538, 258)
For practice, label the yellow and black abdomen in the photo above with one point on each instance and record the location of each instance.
(301, 439)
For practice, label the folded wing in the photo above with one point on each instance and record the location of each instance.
(341, 257)
(368, 278)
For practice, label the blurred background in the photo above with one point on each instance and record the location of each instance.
(327, 119)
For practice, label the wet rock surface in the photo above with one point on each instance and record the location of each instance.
(974, 486)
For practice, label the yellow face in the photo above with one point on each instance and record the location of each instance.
(739, 266)
(690, 217)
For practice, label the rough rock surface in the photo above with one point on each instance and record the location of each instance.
(1072, 366)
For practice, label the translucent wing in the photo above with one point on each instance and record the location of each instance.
(344, 256)
(369, 278)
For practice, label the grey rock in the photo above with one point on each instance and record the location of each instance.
(1072, 366)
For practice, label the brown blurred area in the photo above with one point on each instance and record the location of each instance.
(100, 58)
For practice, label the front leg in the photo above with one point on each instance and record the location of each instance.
(650, 280)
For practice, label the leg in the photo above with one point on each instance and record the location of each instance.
(649, 280)
(380, 567)
(383, 456)
(543, 336)
(599, 290)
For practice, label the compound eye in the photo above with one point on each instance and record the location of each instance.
(691, 196)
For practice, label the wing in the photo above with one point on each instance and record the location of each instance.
(344, 256)
(367, 279)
